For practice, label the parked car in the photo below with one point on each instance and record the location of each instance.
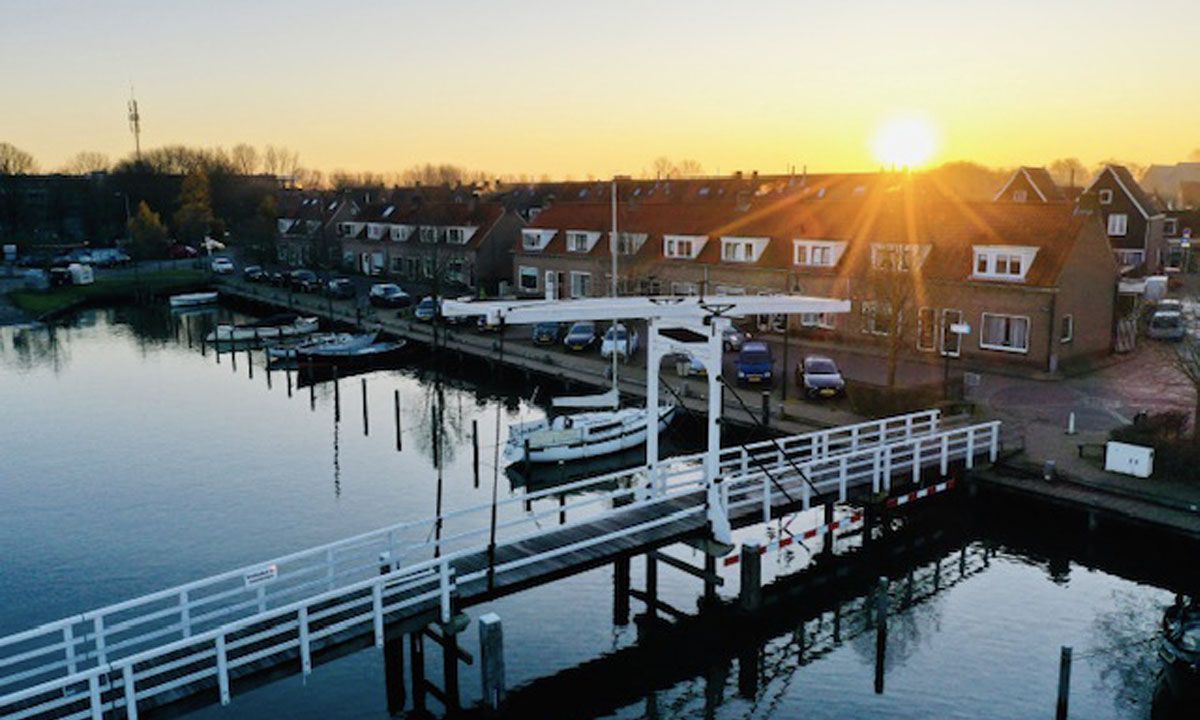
(1169, 305)
(733, 338)
(277, 278)
(388, 295)
(619, 339)
(304, 281)
(581, 336)
(547, 333)
(755, 363)
(1167, 325)
(427, 309)
(483, 324)
(820, 377)
(253, 273)
(109, 257)
(59, 277)
(179, 251)
(341, 289)
(222, 266)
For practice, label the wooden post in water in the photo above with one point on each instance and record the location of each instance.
(396, 402)
(287, 373)
(267, 364)
(621, 591)
(233, 358)
(881, 613)
(366, 422)
(750, 593)
(766, 408)
(433, 435)
(416, 656)
(710, 579)
(491, 659)
(1064, 683)
(249, 363)
(393, 675)
(337, 397)
(475, 450)
(312, 386)
(651, 586)
(827, 551)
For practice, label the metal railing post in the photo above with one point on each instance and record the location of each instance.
(130, 692)
(945, 460)
(377, 609)
(222, 669)
(444, 587)
(916, 462)
(94, 705)
(970, 448)
(766, 499)
(843, 471)
(305, 646)
(185, 613)
(994, 450)
(69, 646)
(101, 653)
(887, 468)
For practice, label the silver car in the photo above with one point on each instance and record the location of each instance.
(1167, 325)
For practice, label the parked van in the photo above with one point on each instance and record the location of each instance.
(755, 363)
(81, 274)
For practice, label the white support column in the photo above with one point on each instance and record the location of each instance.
(305, 647)
(94, 704)
(653, 365)
(970, 449)
(131, 712)
(222, 669)
(69, 646)
(718, 513)
(377, 612)
(185, 613)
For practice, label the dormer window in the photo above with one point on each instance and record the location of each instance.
(429, 234)
(577, 242)
(895, 256)
(1171, 227)
(536, 240)
(810, 253)
(685, 247)
(1106, 197)
(1020, 196)
(1000, 262)
(629, 243)
(456, 236)
(743, 250)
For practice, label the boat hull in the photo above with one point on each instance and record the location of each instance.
(241, 334)
(188, 300)
(631, 436)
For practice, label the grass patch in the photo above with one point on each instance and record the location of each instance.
(43, 303)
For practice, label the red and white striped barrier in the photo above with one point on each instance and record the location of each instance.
(922, 493)
(781, 543)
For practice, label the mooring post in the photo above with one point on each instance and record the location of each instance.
(766, 408)
(366, 422)
(337, 397)
(250, 363)
(748, 671)
(881, 613)
(1064, 683)
(433, 434)
(710, 579)
(450, 665)
(396, 403)
(827, 550)
(491, 659)
(651, 586)
(393, 675)
(621, 591)
(267, 365)
(232, 359)
(416, 656)
(312, 386)
(527, 461)
(475, 450)
(750, 593)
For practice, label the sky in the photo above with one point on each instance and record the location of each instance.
(575, 89)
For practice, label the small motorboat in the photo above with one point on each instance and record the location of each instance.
(286, 349)
(356, 348)
(1180, 648)
(269, 328)
(582, 435)
(187, 300)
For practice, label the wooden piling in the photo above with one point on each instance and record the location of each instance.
(366, 421)
(287, 373)
(827, 550)
(766, 408)
(651, 585)
(475, 450)
(750, 592)
(249, 363)
(396, 403)
(1064, 683)
(416, 656)
(881, 614)
(337, 397)
(393, 675)
(491, 659)
(450, 666)
(312, 386)
(621, 591)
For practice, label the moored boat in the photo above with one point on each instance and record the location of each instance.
(287, 348)
(357, 348)
(1179, 649)
(269, 328)
(193, 299)
(582, 435)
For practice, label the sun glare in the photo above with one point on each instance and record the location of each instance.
(904, 142)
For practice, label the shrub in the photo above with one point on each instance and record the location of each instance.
(1176, 453)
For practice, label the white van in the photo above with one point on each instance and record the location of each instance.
(81, 274)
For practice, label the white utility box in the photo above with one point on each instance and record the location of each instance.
(1129, 459)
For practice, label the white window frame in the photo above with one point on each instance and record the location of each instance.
(1118, 224)
(1170, 227)
(1105, 196)
(523, 272)
(579, 241)
(933, 328)
(456, 236)
(674, 245)
(629, 243)
(825, 321)
(816, 253)
(429, 234)
(1020, 196)
(907, 256)
(998, 261)
(983, 326)
(1125, 257)
(742, 249)
(687, 289)
(868, 310)
(536, 240)
(576, 275)
(1066, 330)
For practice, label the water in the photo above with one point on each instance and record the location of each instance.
(130, 462)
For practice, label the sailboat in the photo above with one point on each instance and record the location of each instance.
(592, 433)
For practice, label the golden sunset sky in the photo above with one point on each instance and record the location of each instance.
(568, 88)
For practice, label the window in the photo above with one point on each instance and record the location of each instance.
(456, 236)
(400, 233)
(817, 320)
(1171, 227)
(1003, 263)
(1008, 333)
(346, 229)
(1105, 197)
(895, 257)
(1130, 258)
(578, 242)
(629, 243)
(581, 284)
(815, 254)
(737, 251)
(374, 231)
(397, 264)
(1020, 196)
(926, 329)
(876, 317)
(527, 278)
(685, 288)
(428, 234)
(682, 246)
(1117, 224)
(679, 248)
(1067, 332)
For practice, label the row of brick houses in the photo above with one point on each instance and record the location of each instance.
(1024, 276)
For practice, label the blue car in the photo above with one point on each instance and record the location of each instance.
(427, 309)
(547, 333)
(755, 364)
(581, 336)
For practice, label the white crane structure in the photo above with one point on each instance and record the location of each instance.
(694, 325)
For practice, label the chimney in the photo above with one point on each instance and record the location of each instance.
(473, 204)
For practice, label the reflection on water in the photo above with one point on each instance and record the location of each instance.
(1123, 648)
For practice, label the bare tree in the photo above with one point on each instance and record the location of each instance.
(279, 160)
(310, 178)
(1187, 361)
(668, 169)
(15, 161)
(83, 163)
(244, 159)
(1135, 169)
(892, 290)
(1069, 172)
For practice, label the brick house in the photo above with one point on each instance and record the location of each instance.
(1024, 276)
(306, 227)
(1030, 185)
(465, 242)
(1132, 217)
(1181, 231)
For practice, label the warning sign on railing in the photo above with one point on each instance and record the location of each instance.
(261, 576)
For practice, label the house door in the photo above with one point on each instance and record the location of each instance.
(951, 341)
(927, 329)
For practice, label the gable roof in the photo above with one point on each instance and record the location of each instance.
(1039, 179)
(1145, 204)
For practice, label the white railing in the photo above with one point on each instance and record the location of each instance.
(216, 625)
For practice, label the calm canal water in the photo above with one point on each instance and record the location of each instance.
(130, 462)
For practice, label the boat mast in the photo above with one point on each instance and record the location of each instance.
(613, 248)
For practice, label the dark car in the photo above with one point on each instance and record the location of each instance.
(547, 333)
(254, 273)
(276, 278)
(820, 377)
(304, 281)
(755, 363)
(389, 295)
(341, 289)
(581, 336)
(59, 277)
(179, 251)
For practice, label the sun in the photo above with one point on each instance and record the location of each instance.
(904, 142)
